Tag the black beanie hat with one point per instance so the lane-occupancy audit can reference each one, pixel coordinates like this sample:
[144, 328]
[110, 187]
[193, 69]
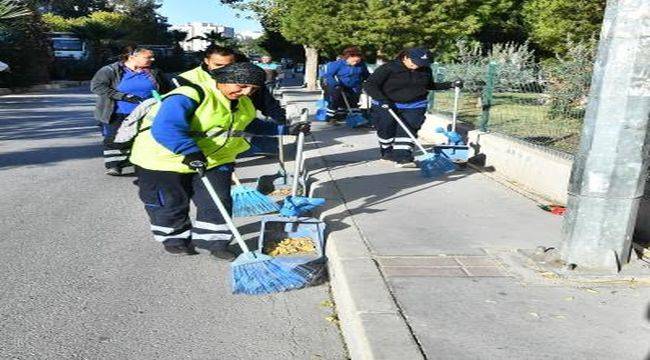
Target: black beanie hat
[239, 73]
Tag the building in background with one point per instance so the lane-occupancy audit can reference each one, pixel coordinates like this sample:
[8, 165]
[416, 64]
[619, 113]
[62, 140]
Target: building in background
[197, 31]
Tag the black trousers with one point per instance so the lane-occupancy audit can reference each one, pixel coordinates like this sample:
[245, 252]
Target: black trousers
[336, 105]
[392, 138]
[114, 158]
[166, 197]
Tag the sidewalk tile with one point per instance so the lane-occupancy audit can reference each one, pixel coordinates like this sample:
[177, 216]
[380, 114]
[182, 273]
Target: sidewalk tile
[396, 271]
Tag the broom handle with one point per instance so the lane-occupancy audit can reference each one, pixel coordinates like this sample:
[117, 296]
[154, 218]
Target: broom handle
[408, 132]
[235, 179]
[454, 115]
[223, 211]
[304, 116]
[296, 167]
[345, 98]
[281, 152]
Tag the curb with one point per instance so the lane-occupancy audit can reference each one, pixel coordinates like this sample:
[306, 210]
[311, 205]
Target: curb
[372, 324]
[55, 85]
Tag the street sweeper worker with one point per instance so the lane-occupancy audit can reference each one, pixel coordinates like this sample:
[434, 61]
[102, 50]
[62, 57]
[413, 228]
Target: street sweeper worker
[402, 84]
[215, 57]
[196, 127]
[120, 87]
[344, 77]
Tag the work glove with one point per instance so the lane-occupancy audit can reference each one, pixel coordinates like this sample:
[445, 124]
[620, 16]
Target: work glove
[133, 99]
[195, 161]
[458, 83]
[299, 127]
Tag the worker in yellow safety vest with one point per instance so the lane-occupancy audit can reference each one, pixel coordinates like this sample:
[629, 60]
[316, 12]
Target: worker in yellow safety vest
[198, 126]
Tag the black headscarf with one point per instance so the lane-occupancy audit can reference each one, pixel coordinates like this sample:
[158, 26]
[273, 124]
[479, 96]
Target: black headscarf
[239, 73]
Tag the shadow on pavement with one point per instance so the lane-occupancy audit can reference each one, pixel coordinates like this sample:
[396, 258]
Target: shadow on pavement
[49, 155]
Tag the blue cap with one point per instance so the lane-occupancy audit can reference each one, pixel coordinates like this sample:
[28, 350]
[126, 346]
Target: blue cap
[420, 56]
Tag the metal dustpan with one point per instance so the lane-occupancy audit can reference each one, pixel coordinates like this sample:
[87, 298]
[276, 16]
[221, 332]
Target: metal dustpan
[455, 150]
[275, 229]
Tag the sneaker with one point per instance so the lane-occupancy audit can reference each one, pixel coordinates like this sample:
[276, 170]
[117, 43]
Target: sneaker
[405, 163]
[180, 250]
[114, 171]
[223, 254]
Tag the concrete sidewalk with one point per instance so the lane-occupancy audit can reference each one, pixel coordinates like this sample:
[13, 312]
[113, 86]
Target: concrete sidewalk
[422, 268]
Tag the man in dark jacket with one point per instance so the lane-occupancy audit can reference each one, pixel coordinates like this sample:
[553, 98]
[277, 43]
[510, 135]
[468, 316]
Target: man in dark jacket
[120, 87]
[215, 57]
[402, 85]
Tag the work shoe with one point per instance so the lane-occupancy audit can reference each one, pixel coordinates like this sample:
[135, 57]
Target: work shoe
[114, 171]
[387, 157]
[223, 254]
[405, 163]
[180, 250]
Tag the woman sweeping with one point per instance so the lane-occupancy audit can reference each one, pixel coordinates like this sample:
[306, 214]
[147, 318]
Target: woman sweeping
[344, 78]
[200, 126]
[402, 84]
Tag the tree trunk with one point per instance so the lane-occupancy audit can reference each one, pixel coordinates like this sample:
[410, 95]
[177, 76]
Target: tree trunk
[311, 67]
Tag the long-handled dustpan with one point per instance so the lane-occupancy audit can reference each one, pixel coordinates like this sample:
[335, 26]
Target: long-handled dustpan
[455, 149]
[432, 165]
[296, 240]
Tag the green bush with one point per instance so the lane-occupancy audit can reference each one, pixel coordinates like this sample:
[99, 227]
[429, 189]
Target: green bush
[515, 66]
[569, 78]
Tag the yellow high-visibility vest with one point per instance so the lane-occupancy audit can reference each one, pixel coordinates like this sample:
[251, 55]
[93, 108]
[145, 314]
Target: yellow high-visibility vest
[213, 118]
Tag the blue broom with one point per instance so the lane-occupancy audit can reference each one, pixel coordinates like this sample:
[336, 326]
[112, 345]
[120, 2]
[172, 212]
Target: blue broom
[254, 273]
[431, 165]
[247, 201]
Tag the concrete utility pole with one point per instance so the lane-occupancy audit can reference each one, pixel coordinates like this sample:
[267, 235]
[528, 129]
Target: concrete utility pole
[609, 172]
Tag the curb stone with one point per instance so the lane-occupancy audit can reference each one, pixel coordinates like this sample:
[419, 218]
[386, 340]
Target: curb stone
[372, 324]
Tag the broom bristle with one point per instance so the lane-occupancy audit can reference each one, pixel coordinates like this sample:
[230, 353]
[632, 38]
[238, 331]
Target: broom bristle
[249, 202]
[255, 274]
[436, 165]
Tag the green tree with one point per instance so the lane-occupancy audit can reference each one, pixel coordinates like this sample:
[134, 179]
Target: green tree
[73, 8]
[550, 22]
[23, 44]
[10, 10]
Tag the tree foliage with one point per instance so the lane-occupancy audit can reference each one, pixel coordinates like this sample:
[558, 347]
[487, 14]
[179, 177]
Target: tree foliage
[549, 22]
[390, 25]
[23, 44]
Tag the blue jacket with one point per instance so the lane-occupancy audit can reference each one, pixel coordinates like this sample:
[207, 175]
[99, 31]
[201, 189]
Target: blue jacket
[340, 73]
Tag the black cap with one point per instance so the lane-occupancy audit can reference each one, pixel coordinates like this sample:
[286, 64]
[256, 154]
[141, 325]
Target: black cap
[239, 73]
[420, 56]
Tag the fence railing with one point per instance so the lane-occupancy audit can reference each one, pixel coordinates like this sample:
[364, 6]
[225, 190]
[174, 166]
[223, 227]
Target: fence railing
[521, 109]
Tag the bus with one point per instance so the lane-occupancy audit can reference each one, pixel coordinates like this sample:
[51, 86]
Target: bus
[67, 45]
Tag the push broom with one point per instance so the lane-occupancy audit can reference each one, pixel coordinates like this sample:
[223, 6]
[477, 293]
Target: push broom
[432, 165]
[255, 273]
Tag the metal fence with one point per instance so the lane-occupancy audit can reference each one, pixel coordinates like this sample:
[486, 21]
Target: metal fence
[494, 102]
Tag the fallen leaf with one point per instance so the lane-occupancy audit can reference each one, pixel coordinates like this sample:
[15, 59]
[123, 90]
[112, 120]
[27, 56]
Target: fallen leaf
[327, 303]
[569, 298]
[591, 290]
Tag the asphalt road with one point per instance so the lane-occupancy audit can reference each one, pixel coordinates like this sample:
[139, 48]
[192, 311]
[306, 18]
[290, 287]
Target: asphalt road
[82, 278]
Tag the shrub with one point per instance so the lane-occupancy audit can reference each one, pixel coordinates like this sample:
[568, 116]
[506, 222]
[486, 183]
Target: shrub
[569, 78]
